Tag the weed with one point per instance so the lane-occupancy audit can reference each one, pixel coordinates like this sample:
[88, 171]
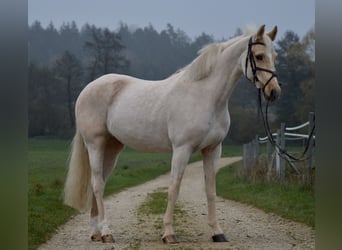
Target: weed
[56, 183]
[38, 189]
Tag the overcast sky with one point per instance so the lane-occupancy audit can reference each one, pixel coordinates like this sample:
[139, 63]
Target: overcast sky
[219, 18]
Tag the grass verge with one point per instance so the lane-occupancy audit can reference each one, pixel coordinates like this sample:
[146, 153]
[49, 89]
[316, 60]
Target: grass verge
[289, 201]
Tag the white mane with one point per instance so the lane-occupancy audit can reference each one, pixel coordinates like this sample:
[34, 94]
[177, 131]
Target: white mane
[203, 65]
[249, 29]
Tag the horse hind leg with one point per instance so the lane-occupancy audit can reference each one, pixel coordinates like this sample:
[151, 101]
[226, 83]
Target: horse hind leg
[103, 156]
[112, 151]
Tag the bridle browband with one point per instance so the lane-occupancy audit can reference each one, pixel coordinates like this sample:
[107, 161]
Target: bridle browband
[255, 68]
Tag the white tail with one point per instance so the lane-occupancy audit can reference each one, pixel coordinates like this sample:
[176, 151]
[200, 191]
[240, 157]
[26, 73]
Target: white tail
[77, 189]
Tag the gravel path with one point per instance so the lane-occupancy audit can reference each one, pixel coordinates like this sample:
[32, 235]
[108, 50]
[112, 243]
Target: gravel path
[245, 226]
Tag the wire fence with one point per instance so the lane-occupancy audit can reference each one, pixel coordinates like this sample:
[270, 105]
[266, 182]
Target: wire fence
[275, 161]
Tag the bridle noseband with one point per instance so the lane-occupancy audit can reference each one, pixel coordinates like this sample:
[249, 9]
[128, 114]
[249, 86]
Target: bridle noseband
[255, 68]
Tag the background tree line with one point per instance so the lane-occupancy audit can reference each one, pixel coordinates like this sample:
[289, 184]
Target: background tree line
[62, 61]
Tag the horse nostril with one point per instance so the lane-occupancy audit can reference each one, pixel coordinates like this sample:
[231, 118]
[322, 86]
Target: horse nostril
[273, 95]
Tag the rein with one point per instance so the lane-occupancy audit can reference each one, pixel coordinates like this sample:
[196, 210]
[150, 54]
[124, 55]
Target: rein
[281, 151]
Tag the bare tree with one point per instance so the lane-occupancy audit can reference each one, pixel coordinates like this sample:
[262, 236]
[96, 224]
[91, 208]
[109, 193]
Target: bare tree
[106, 50]
[68, 68]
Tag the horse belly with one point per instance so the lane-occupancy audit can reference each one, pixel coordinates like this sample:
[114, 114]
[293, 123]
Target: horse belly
[145, 142]
[139, 123]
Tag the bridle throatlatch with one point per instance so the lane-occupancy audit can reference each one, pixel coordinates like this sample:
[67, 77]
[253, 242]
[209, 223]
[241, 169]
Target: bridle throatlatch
[255, 68]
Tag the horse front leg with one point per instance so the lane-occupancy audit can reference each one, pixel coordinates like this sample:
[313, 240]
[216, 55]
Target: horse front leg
[211, 155]
[180, 158]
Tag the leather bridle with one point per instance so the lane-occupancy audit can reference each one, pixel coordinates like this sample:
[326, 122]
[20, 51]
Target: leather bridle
[254, 67]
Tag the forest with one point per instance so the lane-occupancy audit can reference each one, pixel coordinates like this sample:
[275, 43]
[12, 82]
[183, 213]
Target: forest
[63, 60]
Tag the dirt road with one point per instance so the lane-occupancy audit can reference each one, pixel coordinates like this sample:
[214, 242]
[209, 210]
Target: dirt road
[246, 227]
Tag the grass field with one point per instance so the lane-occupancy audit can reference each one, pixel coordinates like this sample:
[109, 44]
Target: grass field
[294, 202]
[47, 170]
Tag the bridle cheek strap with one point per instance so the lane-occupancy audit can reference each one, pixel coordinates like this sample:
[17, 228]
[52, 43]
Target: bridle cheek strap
[253, 66]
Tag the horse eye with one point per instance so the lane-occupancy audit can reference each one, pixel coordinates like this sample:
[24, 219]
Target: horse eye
[259, 57]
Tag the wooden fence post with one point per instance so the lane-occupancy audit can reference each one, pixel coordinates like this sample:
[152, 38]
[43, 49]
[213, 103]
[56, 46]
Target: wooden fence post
[310, 149]
[282, 146]
[244, 151]
[247, 155]
[256, 151]
[277, 160]
[269, 150]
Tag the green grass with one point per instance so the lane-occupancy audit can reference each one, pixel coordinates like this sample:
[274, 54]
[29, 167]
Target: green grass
[155, 203]
[152, 209]
[47, 159]
[289, 201]
[47, 170]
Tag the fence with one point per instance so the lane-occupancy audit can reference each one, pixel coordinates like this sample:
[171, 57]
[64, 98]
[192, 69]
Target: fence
[251, 150]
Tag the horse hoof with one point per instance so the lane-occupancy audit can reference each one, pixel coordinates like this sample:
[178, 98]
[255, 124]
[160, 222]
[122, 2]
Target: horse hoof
[108, 238]
[219, 238]
[96, 237]
[170, 239]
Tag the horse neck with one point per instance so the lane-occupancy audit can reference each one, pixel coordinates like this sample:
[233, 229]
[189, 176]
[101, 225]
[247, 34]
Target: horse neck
[228, 71]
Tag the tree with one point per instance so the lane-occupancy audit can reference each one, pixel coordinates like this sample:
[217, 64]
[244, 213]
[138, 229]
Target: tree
[294, 66]
[68, 68]
[307, 86]
[105, 47]
[71, 39]
[45, 114]
[201, 41]
[177, 38]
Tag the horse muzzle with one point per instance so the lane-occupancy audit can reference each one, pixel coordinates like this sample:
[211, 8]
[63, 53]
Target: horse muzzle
[272, 92]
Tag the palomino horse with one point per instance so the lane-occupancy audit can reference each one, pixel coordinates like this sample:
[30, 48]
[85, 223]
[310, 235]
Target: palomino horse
[184, 113]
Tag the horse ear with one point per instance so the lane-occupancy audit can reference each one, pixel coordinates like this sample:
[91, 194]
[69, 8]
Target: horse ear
[260, 33]
[272, 34]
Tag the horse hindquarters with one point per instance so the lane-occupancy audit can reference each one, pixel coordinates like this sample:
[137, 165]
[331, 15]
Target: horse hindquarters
[77, 189]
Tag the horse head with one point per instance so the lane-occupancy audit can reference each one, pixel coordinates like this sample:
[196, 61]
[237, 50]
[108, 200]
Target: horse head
[259, 63]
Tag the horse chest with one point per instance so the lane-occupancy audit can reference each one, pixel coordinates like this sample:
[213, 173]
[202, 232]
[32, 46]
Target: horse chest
[217, 130]
[200, 130]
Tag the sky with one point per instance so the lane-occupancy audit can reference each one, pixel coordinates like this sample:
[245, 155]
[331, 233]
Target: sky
[219, 18]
